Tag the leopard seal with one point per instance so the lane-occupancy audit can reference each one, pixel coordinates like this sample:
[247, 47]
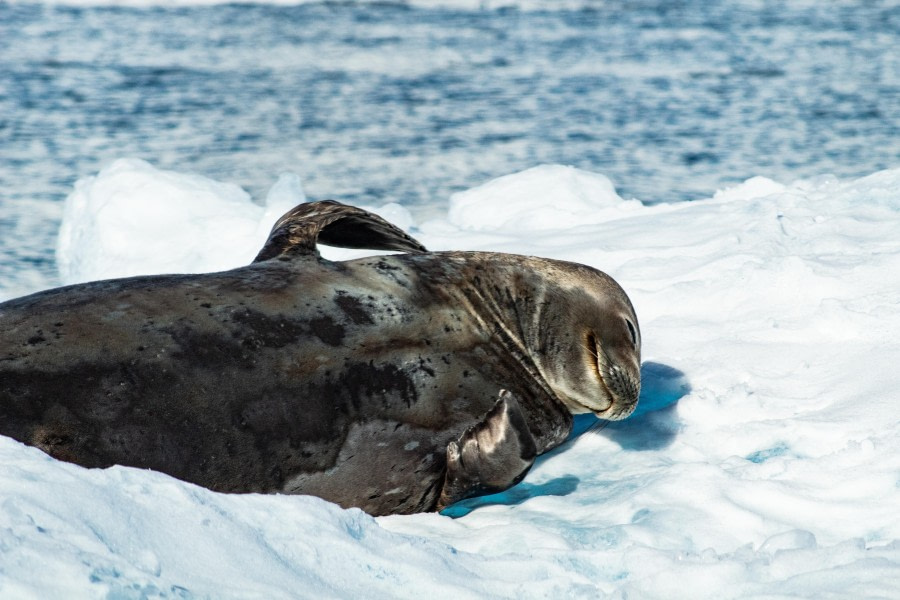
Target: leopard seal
[396, 383]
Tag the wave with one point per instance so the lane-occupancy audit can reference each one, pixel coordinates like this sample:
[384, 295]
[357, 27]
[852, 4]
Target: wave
[462, 5]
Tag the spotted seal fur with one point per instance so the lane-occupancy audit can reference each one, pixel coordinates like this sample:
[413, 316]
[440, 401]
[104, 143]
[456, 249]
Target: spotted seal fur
[396, 383]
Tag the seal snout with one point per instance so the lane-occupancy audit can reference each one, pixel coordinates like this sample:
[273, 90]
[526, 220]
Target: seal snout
[620, 388]
[624, 389]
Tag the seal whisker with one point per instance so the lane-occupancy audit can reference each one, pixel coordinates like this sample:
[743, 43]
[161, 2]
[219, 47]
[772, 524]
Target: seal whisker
[599, 426]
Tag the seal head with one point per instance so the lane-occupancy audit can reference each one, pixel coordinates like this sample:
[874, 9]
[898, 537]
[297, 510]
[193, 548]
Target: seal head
[590, 352]
[575, 325]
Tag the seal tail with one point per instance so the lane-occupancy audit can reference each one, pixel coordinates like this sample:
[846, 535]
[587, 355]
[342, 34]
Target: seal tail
[331, 223]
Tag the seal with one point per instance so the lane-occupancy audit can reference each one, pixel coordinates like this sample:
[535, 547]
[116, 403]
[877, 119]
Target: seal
[396, 383]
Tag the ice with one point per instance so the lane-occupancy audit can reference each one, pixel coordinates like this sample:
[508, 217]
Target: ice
[763, 459]
[547, 197]
[135, 219]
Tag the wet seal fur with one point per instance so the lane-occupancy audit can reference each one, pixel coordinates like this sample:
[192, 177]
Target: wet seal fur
[397, 384]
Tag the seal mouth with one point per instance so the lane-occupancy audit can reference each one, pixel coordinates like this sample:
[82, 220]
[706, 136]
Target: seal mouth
[598, 362]
[617, 388]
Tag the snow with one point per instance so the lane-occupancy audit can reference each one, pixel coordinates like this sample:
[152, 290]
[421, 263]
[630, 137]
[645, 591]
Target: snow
[763, 459]
[561, 196]
[123, 218]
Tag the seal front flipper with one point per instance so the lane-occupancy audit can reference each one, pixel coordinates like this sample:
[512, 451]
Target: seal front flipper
[490, 456]
[334, 224]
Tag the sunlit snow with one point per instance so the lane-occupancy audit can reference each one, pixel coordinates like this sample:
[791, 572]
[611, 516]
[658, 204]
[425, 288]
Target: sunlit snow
[763, 460]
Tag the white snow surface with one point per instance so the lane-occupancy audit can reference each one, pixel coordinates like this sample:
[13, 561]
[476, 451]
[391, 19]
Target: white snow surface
[763, 460]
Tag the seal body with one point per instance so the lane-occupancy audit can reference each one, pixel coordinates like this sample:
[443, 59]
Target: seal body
[373, 383]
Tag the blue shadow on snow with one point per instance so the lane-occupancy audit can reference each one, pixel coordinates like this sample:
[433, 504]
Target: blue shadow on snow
[652, 426]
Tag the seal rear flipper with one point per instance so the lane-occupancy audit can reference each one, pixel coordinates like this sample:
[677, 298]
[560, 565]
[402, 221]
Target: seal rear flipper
[490, 456]
[334, 224]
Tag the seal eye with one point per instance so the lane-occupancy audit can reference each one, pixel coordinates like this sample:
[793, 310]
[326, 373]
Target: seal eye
[632, 332]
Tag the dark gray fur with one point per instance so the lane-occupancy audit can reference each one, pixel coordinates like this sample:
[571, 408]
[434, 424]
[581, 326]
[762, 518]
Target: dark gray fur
[346, 380]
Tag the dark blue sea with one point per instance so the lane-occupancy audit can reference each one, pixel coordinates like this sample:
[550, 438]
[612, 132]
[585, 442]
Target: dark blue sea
[379, 102]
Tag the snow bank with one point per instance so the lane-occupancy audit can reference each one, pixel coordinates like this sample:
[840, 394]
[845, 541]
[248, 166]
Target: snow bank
[132, 218]
[544, 197]
[764, 458]
[126, 533]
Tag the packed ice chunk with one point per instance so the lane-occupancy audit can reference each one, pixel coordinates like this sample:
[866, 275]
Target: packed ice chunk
[546, 197]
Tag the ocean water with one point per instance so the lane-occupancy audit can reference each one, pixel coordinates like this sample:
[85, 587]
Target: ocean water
[385, 102]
